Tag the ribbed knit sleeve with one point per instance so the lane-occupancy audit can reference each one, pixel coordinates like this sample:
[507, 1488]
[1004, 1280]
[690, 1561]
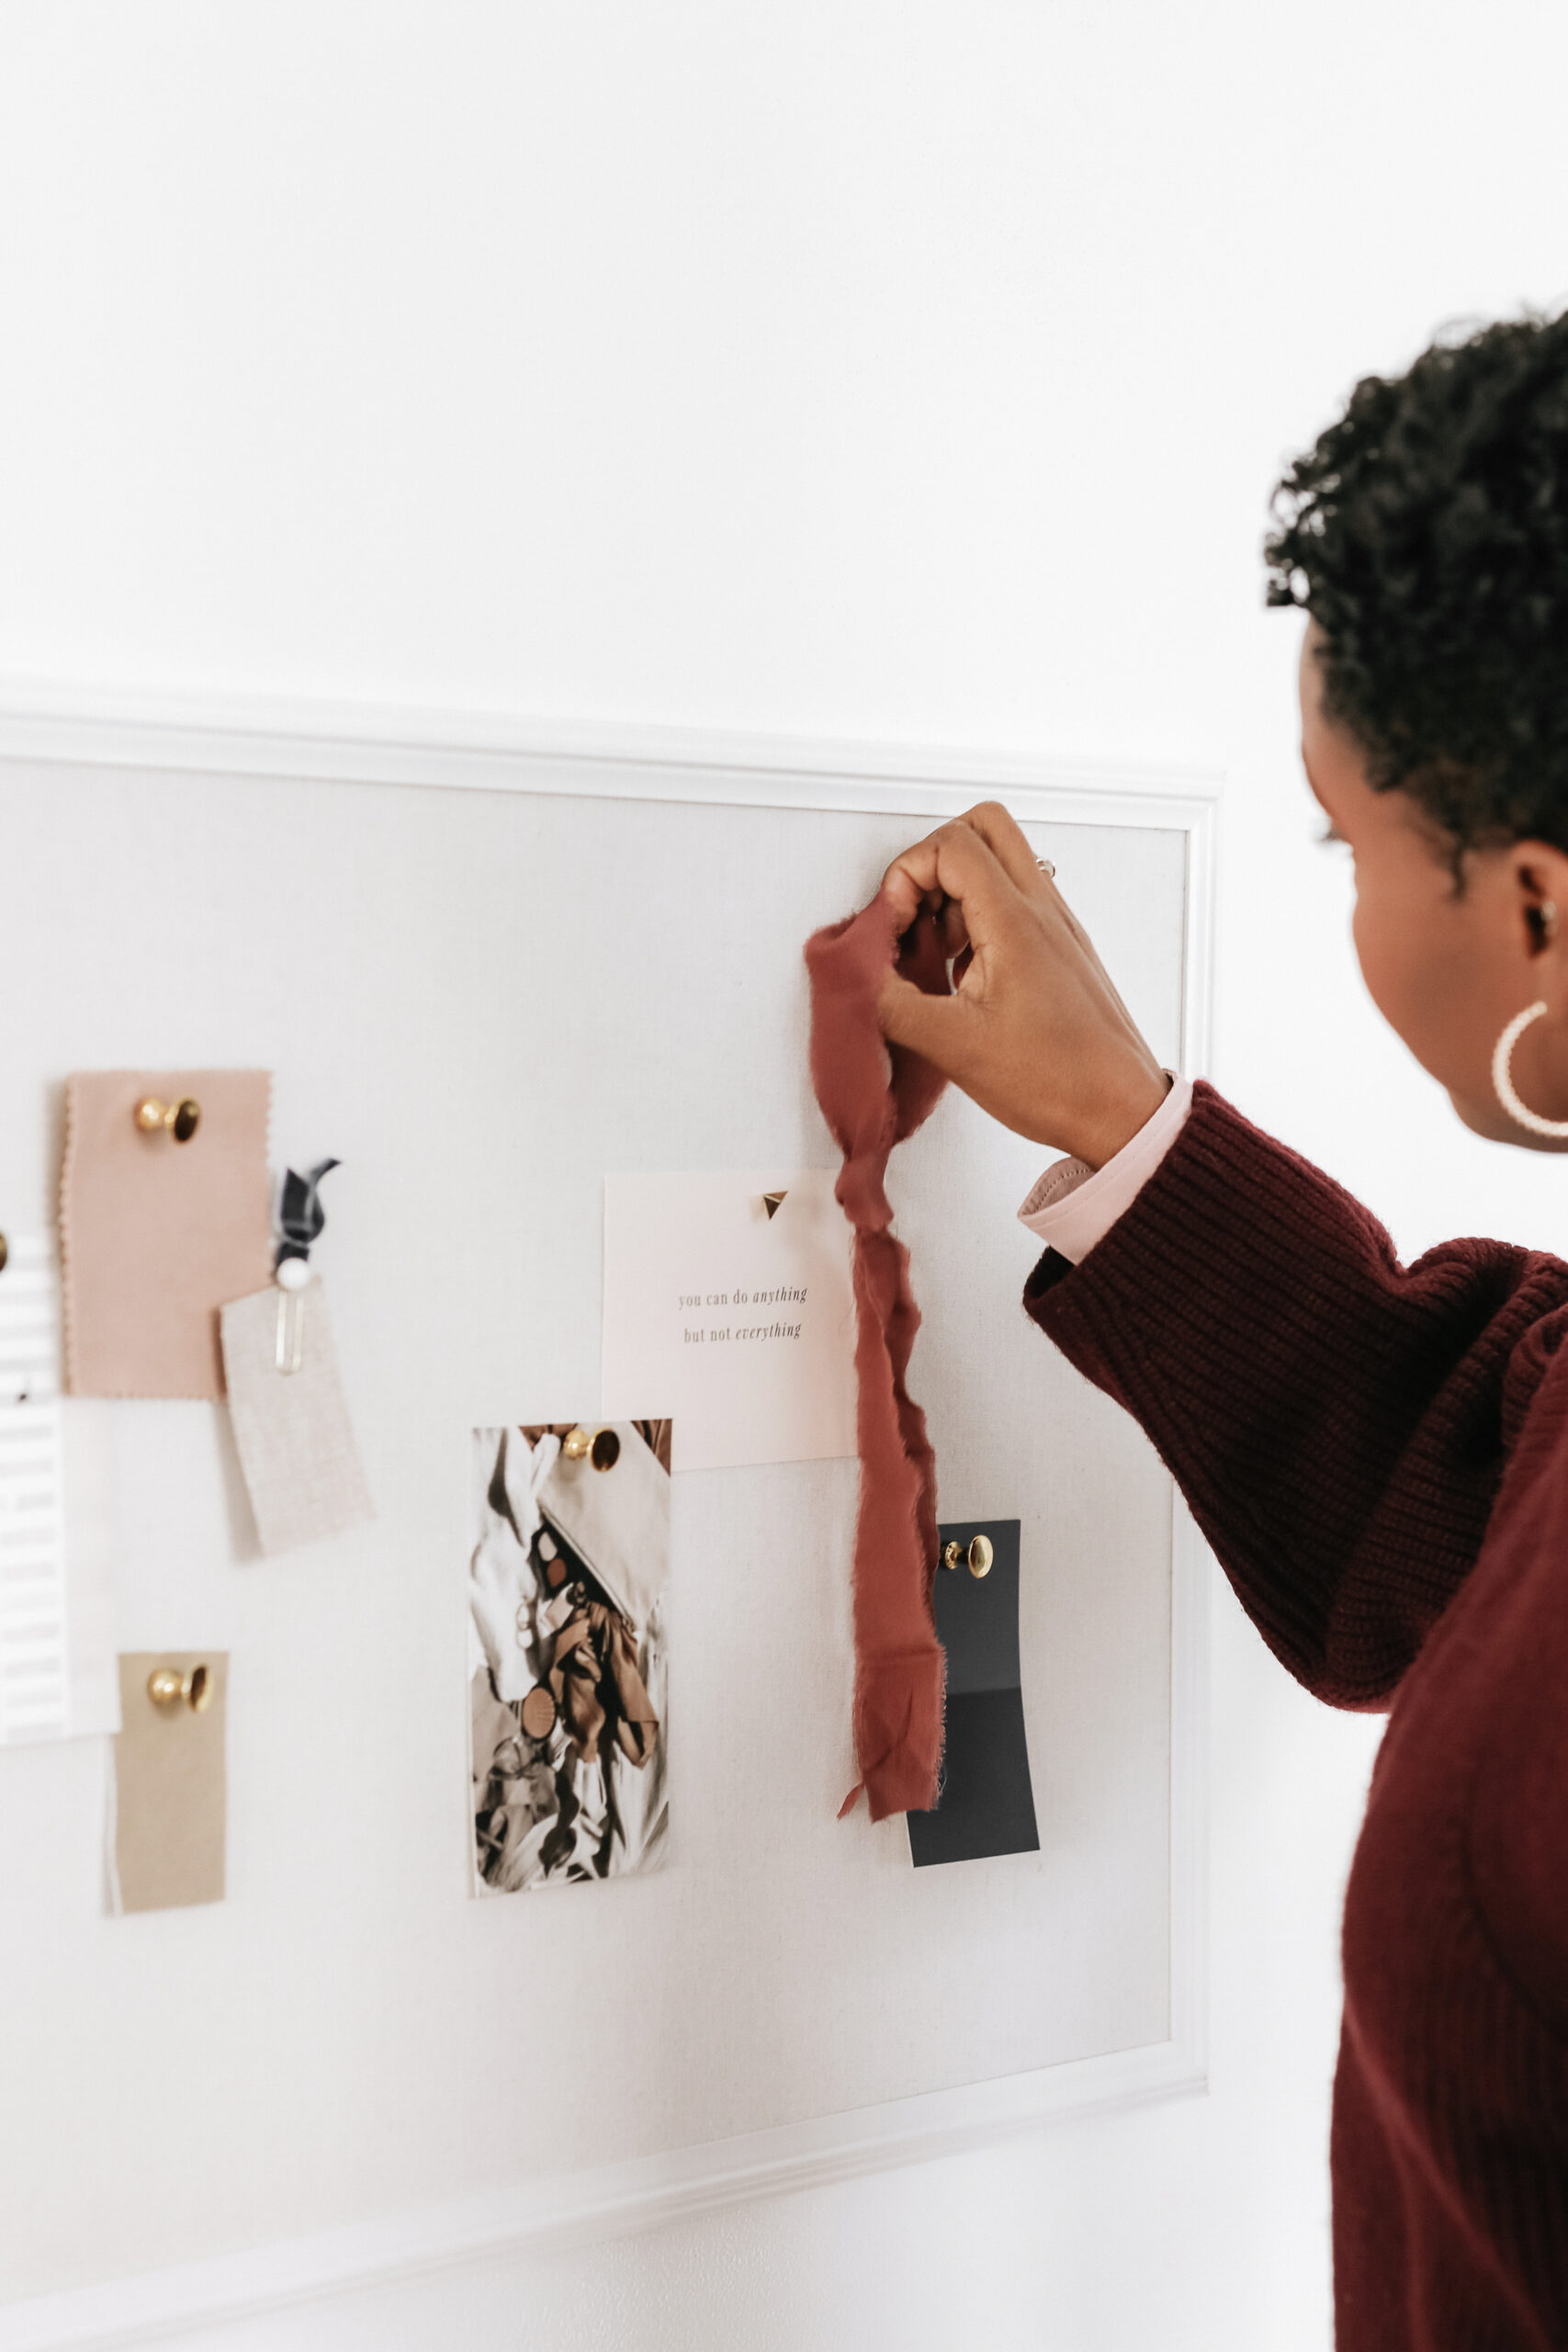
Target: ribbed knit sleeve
[1338, 1422]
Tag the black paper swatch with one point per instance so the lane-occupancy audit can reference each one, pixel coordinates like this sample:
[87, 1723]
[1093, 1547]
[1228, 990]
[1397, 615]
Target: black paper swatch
[986, 1803]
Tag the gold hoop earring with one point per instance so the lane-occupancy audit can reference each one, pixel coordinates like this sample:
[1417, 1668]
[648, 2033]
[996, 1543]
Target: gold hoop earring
[1502, 1078]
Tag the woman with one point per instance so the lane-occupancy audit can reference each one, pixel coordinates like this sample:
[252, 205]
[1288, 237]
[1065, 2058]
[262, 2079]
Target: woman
[1378, 1455]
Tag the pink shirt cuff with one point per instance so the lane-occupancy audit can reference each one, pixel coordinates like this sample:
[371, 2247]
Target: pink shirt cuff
[1073, 1206]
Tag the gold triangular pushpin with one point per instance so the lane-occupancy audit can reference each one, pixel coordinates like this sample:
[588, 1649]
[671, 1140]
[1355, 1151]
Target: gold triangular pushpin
[772, 1203]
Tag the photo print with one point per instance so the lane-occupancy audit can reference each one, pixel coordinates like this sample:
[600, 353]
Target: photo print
[568, 1669]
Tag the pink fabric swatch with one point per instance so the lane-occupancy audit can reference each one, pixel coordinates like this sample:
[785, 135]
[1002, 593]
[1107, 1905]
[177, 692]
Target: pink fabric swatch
[872, 1096]
[157, 1235]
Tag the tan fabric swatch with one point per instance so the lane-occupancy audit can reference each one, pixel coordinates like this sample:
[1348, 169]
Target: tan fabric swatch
[293, 1433]
[155, 1235]
[170, 1794]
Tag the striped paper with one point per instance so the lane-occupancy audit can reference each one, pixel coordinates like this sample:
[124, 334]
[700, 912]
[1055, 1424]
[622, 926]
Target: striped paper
[35, 1687]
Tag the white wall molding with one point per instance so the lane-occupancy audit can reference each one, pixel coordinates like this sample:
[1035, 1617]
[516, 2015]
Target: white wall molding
[481, 751]
[226, 740]
[534, 2217]
[499, 751]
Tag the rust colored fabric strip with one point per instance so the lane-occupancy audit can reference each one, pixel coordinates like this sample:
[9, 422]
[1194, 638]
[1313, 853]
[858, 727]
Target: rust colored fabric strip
[872, 1096]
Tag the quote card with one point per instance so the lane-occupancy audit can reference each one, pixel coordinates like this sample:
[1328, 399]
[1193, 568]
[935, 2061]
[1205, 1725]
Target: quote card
[737, 1322]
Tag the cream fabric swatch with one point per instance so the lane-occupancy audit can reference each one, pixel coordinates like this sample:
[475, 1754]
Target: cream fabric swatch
[155, 1235]
[170, 1796]
[293, 1433]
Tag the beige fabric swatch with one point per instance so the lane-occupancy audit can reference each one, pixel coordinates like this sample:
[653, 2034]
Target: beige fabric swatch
[170, 1798]
[155, 1235]
[292, 1431]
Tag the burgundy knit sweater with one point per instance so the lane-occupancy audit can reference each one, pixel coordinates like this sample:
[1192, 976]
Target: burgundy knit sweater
[1378, 1457]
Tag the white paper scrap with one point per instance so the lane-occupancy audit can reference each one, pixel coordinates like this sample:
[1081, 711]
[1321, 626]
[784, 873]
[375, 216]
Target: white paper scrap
[738, 1323]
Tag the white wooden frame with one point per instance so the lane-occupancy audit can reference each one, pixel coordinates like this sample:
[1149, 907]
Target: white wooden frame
[388, 747]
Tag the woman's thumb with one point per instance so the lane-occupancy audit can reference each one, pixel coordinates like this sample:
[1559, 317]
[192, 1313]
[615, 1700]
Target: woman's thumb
[931, 1026]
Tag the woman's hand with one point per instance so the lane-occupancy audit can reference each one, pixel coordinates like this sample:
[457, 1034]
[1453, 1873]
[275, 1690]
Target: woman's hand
[1035, 1032]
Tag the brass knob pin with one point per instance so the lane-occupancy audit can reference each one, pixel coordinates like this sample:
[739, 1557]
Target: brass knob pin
[167, 1688]
[179, 1119]
[976, 1555]
[600, 1446]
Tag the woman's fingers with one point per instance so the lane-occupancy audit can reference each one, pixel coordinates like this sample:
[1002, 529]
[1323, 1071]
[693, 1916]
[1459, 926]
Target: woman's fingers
[910, 880]
[955, 930]
[970, 859]
[954, 864]
[1035, 1031]
[1003, 836]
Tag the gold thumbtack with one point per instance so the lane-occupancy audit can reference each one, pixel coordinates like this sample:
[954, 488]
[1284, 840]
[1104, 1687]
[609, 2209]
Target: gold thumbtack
[772, 1203]
[977, 1555]
[4, 1252]
[167, 1687]
[179, 1119]
[600, 1446]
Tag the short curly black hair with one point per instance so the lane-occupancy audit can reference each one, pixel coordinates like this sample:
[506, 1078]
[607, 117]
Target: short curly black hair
[1426, 534]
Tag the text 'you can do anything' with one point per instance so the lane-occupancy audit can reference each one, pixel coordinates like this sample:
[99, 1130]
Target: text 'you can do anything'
[715, 1334]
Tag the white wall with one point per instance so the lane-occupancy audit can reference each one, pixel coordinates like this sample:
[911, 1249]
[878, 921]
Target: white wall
[895, 370]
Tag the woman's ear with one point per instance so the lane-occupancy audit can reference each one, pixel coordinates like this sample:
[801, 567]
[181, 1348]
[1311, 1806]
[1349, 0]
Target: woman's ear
[1540, 891]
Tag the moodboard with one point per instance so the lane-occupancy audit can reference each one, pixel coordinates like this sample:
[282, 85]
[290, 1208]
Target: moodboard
[525, 1786]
